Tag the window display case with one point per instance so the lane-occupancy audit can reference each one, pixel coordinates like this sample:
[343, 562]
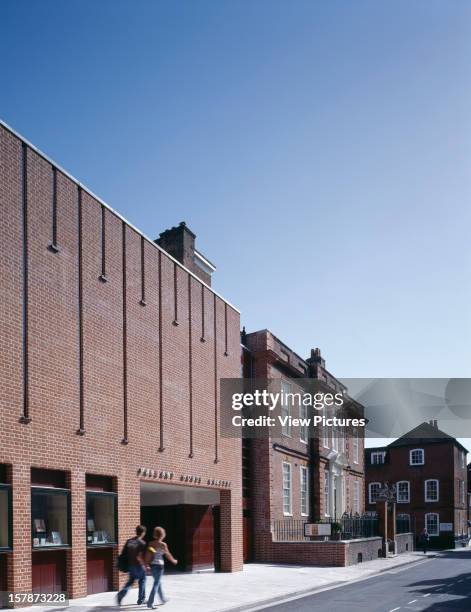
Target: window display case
[5, 517]
[101, 518]
[50, 514]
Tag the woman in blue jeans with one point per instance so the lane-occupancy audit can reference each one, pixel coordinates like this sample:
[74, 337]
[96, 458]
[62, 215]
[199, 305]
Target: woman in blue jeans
[157, 550]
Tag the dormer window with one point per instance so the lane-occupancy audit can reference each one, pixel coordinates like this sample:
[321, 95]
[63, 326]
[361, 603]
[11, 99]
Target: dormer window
[416, 456]
[377, 457]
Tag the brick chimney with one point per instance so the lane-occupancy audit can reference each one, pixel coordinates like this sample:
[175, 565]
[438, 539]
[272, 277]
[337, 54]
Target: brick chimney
[179, 242]
[316, 363]
[316, 357]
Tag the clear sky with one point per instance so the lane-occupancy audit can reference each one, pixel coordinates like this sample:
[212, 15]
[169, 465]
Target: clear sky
[320, 150]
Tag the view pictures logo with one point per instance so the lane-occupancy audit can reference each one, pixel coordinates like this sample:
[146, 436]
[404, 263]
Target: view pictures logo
[273, 400]
[258, 407]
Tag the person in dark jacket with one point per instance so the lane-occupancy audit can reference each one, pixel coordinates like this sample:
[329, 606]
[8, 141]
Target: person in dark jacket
[136, 548]
[424, 540]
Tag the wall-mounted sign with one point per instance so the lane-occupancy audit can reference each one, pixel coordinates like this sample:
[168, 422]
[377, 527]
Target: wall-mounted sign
[187, 478]
[317, 529]
[446, 526]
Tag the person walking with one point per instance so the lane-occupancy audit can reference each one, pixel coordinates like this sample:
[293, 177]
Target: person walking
[157, 549]
[424, 540]
[133, 553]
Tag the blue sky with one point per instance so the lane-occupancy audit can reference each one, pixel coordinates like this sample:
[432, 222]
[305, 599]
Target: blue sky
[320, 150]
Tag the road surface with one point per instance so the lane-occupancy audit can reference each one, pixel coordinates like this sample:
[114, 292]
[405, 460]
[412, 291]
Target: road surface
[439, 584]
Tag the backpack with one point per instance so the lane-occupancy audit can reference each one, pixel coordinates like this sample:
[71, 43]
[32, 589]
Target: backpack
[123, 559]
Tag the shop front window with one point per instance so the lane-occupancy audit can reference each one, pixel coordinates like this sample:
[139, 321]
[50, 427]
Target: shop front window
[101, 519]
[5, 517]
[50, 517]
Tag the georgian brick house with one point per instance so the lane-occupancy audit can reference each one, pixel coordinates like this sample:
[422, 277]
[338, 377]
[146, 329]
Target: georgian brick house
[295, 478]
[112, 347]
[428, 468]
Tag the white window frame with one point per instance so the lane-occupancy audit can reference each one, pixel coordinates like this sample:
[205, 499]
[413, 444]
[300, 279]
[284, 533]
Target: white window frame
[369, 491]
[325, 433]
[335, 440]
[403, 501]
[290, 489]
[426, 496]
[380, 454]
[415, 450]
[462, 492]
[303, 429]
[356, 446]
[327, 492]
[463, 459]
[356, 496]
[304, 491]
[286, 409]
[437, 533]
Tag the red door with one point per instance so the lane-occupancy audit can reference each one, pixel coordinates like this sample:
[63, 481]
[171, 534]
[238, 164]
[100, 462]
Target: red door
[200, 536]
[3, 574]
[190, 533]
[48, 575]
[99, 570]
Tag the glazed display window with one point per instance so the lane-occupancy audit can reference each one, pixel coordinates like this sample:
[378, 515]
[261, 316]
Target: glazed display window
[5, 517]
[50, 514]
[101, 518]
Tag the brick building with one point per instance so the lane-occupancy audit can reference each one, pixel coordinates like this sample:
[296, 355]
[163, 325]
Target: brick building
[111, 353]
[428, 468]
[296, 478]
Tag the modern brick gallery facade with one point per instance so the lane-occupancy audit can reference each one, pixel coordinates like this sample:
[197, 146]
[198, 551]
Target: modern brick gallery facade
[111, 354]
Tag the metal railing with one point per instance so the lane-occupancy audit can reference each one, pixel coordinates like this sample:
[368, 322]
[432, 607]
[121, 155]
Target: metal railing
[345, 528]
[403, 525]
[355, 527]
[288, 530]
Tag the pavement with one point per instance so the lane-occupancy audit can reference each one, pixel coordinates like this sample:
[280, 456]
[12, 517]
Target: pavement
[258, 586]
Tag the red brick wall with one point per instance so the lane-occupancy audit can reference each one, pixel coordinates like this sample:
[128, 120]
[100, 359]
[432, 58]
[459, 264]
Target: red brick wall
[310, 553]
[324, 554]
[113, 319]
[270, 358]
[442, 462]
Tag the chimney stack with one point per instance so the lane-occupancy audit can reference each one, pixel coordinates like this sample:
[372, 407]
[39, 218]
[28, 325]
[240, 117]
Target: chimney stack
[316, 362]
[179, 242]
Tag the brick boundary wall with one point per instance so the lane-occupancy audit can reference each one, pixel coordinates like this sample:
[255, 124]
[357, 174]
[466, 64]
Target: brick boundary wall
[330, 553]
[323, 554]
[368, 548]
